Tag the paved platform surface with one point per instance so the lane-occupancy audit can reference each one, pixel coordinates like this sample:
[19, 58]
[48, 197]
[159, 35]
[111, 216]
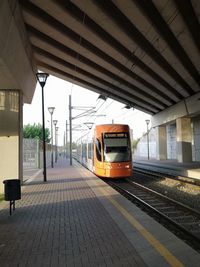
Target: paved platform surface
[62, 223]
[190, 169]
[75, 219]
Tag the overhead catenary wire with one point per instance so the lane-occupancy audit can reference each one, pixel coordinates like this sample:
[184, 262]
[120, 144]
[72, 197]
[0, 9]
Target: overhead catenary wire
[70, 104]
[104, 106]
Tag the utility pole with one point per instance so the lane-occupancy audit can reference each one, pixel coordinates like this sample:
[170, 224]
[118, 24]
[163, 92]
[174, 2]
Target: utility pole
[66, 140]
[70, 129]
[86, 111]
[64, 145]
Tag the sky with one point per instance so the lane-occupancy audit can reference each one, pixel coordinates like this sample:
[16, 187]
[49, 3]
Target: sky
[56, 94]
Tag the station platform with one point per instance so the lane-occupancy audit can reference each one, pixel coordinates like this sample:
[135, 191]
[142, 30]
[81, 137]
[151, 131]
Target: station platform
[190, 169]
[76, 219]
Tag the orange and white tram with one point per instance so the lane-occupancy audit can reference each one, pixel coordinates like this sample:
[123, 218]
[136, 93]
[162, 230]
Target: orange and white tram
[106, 151]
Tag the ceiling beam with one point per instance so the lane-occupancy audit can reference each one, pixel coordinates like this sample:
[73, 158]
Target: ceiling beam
[76, 57]
[188, 14]
[150, 11]
[32, 9]
[77, 70]
[92, 87]
[126, 25]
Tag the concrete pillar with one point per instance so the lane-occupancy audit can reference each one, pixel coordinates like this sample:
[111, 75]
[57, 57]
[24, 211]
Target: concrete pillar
[161, 143]
[20, 130]
[184, 140]
[11, 152]
[17, 86]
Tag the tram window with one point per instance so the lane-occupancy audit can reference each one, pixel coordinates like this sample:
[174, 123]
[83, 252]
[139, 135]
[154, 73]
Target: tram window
[98, 150]
[116, 147]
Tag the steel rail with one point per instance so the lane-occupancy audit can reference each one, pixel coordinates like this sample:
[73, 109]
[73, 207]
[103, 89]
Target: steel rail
[164, 208]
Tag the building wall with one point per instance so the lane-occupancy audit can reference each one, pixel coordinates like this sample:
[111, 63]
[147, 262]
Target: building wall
[9, 135]
[8, 155]
[196, 139]
[171, 141]
[141, 150]
[152, 143]
[17, 85]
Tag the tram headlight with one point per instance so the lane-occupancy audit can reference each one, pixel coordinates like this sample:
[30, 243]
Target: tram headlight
[127, 166]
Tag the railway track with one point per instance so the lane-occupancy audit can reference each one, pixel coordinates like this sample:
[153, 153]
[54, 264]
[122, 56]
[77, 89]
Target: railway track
[179, 218]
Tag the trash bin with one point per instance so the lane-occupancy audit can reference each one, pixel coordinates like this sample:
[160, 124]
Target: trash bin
[12, 189]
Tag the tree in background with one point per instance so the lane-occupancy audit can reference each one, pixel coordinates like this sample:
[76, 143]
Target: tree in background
[35, 131]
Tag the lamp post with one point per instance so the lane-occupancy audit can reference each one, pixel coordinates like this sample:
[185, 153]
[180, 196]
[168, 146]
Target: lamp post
[56, 143]
[55, 123]
[51, 110]
[147, 122]
[42, 77]
[66, 140]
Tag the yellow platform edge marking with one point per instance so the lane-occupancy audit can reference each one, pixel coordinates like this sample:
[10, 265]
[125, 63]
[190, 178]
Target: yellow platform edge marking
[162, 250]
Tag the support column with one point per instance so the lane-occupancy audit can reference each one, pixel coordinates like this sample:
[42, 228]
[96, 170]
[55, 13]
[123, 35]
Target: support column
[20, 130]
[11, 153]
[184, 140]
[161, 153]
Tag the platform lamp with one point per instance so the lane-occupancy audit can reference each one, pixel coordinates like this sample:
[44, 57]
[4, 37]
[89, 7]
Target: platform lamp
[51, 110]
[55, 123]
[56, 143]
[41, 78]
[147, 122]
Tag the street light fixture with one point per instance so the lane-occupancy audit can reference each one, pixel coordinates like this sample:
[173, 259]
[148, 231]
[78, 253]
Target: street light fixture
[89, 125]
[147, 122]
[51, 110]
[41, 78]
[129, 106]
[55, 123]
[103, 97]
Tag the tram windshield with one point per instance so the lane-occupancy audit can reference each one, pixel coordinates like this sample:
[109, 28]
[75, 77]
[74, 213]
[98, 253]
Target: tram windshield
[116, 147]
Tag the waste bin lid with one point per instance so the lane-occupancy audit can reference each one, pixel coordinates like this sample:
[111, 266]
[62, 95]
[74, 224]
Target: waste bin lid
[10, 180]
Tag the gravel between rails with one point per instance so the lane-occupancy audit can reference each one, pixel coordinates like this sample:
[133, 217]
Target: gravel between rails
[179, 191]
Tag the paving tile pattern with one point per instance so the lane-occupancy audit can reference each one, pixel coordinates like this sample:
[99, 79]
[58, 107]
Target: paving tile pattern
[62, 223]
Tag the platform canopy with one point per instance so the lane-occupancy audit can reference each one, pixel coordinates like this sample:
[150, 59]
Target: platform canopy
[143, 53]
